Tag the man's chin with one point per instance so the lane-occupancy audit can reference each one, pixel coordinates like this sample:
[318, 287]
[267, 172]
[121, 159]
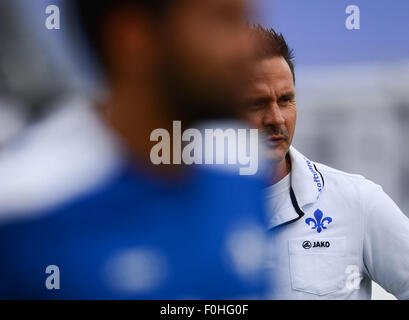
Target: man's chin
[276, 155]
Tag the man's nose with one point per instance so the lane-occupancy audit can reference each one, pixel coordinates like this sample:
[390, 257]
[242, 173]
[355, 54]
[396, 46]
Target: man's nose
[273, 116]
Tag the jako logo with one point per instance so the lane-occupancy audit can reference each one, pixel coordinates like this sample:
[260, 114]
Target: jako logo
[212, 147]
[306, 245]
[321, 244]
[316, 244]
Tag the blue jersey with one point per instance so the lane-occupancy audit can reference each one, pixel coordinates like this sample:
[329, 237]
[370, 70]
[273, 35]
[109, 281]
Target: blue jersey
[134, 237]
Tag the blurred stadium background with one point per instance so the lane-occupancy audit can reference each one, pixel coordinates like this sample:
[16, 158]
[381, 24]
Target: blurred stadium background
[352, 86]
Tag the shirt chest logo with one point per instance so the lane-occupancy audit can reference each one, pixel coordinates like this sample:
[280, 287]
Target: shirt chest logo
[319, 222]
[315, 244]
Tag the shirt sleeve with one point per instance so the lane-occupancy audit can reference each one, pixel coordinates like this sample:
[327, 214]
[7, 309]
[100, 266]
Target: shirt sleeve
[386, 242]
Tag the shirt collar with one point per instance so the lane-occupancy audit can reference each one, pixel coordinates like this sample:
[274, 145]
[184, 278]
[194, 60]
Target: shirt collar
[306, 181]
[307, 184]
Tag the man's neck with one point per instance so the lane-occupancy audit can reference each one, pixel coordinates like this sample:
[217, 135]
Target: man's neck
[282, 169]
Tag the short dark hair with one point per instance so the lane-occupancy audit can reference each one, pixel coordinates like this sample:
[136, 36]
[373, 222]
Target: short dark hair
[273, 44]
[90, 16]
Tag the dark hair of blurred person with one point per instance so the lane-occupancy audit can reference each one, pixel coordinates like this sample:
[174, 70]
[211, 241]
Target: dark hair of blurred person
[168, 60]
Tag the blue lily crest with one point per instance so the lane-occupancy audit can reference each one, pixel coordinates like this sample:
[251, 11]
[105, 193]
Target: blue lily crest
[318, 222]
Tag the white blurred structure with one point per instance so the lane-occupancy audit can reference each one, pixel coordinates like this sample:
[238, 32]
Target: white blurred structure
[12, 120]
[355, 118]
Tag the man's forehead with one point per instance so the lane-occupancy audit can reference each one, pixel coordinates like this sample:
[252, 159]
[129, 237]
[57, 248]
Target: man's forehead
[274, 67]
[272, 73]
[259, 86]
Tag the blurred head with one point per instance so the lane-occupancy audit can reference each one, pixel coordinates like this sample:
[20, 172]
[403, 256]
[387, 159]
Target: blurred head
[270, 98]
[194, 53]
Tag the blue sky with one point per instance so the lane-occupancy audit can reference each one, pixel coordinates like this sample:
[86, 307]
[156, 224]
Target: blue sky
[316, 29]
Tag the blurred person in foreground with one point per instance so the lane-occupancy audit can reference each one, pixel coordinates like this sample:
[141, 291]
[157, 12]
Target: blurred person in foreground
[331, 232]
[86, 215]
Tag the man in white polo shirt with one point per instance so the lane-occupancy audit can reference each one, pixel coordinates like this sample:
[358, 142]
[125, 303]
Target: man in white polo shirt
[331, 232]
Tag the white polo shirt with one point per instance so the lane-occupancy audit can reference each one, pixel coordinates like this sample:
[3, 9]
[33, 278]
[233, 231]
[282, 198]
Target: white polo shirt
[332, 233]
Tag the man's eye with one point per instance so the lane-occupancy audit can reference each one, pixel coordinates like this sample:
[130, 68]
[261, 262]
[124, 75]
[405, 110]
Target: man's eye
[286, 101]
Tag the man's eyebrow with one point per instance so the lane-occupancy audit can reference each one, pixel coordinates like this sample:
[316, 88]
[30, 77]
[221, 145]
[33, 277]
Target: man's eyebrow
[287, 95]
